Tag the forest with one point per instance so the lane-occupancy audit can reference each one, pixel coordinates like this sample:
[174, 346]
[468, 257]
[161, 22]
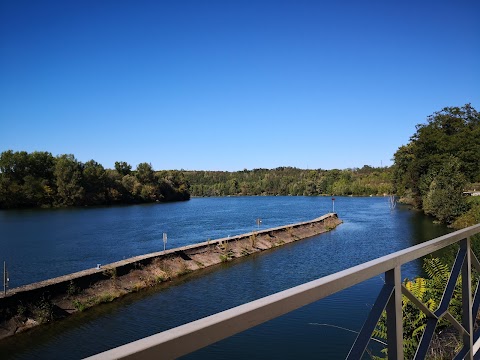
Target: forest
[291, 181]
[441, 160]
[39, 179]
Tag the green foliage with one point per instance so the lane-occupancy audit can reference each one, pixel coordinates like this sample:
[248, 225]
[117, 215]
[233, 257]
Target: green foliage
[145, 173]
[471, 216]
[123, 168]
[21, 310]
[72, 289]
[106, 298]
[414, 321]
[429, 291]
[94, 182]
[110, 273]
[444, 198]
[79, 305]
[291, 181]
[68, 178]
[227, 256]
[42, 311]
[102, 298]
[40, 180]
[431, 171]
[26, 179]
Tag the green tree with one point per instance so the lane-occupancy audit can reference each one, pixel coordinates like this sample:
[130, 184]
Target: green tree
[26, 179]
[94, 183]
[123, 168]
[145, 173]
[68, 178]
[132, 186]
[444, 198]
[115, 192]
[453, 131]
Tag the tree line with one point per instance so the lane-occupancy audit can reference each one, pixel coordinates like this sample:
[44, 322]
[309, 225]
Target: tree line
[291, 181]
[431, 172]
[39, 179]
[442, 159]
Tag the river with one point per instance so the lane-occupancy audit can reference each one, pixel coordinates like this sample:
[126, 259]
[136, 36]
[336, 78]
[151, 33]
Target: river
[39, 244]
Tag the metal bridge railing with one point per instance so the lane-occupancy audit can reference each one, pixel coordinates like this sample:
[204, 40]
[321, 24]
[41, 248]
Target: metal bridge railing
[187, 338]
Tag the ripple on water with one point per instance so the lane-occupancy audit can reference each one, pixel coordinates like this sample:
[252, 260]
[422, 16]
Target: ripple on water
[67, 241]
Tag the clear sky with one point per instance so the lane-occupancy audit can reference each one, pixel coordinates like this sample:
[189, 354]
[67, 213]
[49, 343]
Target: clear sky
[228, 85]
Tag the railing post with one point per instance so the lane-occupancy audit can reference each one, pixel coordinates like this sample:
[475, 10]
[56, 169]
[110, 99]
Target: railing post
[467, 318]
[394, 315]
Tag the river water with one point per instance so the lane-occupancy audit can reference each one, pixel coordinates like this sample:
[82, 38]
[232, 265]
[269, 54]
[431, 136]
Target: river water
[40, 244]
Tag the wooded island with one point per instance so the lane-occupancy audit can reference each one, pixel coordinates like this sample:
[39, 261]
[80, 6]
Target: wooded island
[39, 179]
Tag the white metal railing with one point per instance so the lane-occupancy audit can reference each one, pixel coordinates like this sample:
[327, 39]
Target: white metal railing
[187, 338]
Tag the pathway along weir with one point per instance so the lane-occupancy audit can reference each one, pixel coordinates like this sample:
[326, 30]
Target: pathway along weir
[42, 302]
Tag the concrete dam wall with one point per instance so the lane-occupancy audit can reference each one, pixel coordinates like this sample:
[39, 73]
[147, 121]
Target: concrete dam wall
[30, 305]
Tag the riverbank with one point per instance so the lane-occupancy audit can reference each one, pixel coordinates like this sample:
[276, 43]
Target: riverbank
[52, 299]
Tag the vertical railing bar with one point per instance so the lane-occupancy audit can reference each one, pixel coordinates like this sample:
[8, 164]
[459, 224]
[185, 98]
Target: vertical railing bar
[476, 295]
[475, 262]
[476, 304]
[394, 315]
[467, 320]
[363, 338]
[452, 281]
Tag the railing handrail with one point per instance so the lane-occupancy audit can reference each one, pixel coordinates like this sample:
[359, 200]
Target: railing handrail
[189, 337]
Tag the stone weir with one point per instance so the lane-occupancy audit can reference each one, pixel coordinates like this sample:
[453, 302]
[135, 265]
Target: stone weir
[30, 305]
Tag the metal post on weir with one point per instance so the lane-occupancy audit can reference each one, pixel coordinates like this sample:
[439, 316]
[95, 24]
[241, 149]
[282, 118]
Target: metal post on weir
[5, 278]
[259, 221]
[164, 242]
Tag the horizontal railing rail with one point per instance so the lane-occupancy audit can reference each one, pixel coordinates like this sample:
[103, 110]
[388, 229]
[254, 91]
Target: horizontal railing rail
[187, 338]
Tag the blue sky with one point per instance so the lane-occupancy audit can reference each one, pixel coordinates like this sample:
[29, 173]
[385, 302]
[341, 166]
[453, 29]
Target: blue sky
[228, 85]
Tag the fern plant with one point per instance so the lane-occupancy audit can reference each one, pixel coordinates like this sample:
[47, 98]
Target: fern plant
[414, 320]
[429, 291]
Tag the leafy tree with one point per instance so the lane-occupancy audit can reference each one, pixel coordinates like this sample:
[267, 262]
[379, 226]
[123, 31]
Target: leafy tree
[145, 173]
[94, 183]
[115, 192]
[132, 185]
[26, 179]
[68, 177]
[423, 167]
[444, 199]
[123, 168]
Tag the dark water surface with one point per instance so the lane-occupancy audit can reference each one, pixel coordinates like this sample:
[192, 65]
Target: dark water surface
[39, 244]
